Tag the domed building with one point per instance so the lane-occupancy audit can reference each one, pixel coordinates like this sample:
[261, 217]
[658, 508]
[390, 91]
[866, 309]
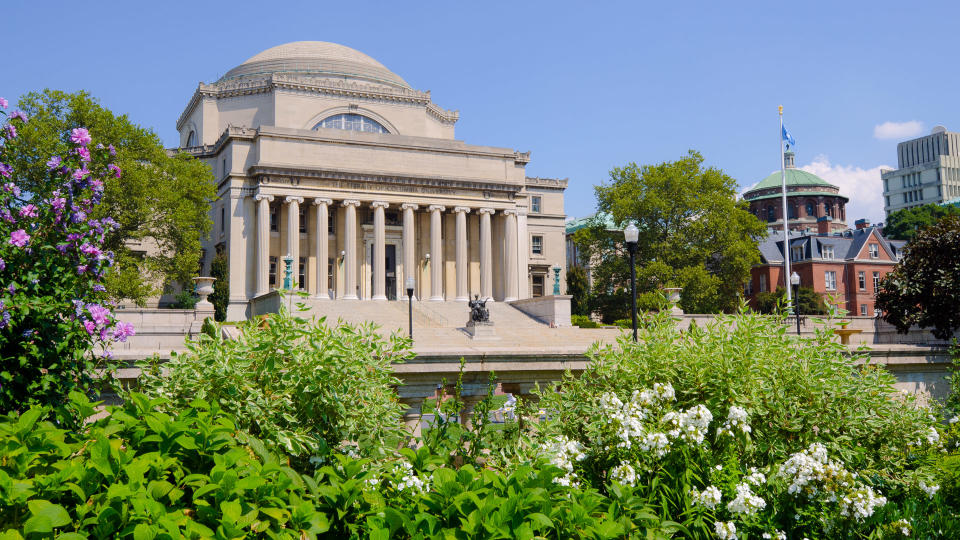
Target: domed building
[324, 155]
[809, 199]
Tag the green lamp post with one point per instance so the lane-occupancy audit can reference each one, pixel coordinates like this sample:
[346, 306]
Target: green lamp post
[556, 280]
[288, 272]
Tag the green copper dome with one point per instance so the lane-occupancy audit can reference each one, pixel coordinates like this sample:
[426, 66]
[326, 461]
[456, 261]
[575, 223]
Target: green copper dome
[795, 178]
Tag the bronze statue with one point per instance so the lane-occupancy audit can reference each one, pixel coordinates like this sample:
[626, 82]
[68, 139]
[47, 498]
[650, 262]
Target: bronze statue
[478, 310]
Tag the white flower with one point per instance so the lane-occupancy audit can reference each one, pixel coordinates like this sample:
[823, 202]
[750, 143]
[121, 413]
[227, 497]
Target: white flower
[664, 391]
[955, 419]
[624, 474]
[903, 525]
[726, 530]
[929, 490]
[708, 498]
[933, 436]
[755, 477]
[690, 425]
[719, 467]
[656, 443]
[737, 419]
[861, 503]
[746, 502]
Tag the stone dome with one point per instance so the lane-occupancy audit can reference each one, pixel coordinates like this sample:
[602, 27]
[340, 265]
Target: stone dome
[316, 59]
[796, 178]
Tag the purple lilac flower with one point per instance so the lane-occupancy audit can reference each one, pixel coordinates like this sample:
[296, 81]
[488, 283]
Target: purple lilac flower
[12, 188]
[100, 314]
[3, 265]
[99, 288]
[7, 216]
[80, 136]
[5, 170]
[90, 250]
[18, 114]
[62, 248]
[90, 326]
[11, 131]
[12, 288]
[3, 103]
[80, 173]
[19, 238]
[82, 152]
[77, 307]
[29, 210]
[108, 355]
[27, 333]
[58, 204]
[53, 163]
[113, 151]
[5, 319]
[114, 169]
[122, 330]
[81, 268]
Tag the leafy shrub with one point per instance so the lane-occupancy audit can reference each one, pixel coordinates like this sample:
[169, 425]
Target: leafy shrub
[809, 302]
[220, 269]
[583, 321]
[298, 384]
[185, 300]
[52, 265]
[679, 412]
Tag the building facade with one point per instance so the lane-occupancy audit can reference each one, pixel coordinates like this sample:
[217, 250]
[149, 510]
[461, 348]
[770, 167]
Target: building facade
[809, 198]
[928, 172]
[847, 266]
[324, 155]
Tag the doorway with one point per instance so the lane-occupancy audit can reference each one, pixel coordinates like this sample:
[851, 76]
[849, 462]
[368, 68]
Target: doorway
[390, 260]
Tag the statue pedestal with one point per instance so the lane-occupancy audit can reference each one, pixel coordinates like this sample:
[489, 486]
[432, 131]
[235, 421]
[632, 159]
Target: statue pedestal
[480, 330]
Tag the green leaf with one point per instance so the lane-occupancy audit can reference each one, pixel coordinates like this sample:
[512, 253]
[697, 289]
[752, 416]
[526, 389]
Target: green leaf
[541, 520]
[144, 532]
[56, 515]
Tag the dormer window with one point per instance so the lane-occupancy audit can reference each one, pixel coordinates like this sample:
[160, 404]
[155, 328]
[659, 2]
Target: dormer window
[827, 251]
[352, 122]
[192, 139]
[797, 253]
[874, 251]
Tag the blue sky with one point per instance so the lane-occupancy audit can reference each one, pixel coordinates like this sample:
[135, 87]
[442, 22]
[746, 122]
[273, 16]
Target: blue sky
[584, 86]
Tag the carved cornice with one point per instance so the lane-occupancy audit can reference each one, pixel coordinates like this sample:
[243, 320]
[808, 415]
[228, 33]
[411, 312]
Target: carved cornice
[521, 158]
[292, 175]
[319, 85]
[557, 183]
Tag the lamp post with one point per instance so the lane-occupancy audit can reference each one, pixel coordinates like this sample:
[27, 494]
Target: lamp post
[556, 279]
[410, 285]
[288, 272]
[795, 283]
[631, 234]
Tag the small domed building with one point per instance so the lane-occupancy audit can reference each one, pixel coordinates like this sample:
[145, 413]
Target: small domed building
[809, 198]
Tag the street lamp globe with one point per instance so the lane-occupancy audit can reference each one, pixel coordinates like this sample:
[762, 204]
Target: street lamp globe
[795, 279]
[411, 283]
[631, 234]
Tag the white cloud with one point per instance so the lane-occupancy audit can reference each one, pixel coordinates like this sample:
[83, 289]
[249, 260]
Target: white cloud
[898, 130]
[863, 187]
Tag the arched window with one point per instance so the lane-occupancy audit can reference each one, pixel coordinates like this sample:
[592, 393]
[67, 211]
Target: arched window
[771, 215]
[811, 210]
[352, 122]
[192, 139]
[792, 211]
[828, 209]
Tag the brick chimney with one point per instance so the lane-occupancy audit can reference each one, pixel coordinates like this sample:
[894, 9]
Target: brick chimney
[823, 225]
[862, 223]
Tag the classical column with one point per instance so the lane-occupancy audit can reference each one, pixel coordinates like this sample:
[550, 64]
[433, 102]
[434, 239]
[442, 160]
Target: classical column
[379, 251]
[321, 242]
[486, 255]
[436, 254]
[263, 242]
[350, 250]
[523, 254]
[461, 255]
[409, 247]
[510, 256]
[293, 235]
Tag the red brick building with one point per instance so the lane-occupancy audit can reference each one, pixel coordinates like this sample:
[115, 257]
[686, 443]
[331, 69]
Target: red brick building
[809, 198]
[847, 266]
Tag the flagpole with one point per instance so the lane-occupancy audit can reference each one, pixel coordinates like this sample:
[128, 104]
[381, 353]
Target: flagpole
[786, 229]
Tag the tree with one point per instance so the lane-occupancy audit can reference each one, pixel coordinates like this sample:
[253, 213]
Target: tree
[809, 302]
[579, 290]
[904, 224]
[924, 288]
[693, 234]
[220, 269]
[161, 202]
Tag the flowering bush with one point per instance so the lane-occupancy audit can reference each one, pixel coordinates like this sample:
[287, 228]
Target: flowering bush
[52, 265]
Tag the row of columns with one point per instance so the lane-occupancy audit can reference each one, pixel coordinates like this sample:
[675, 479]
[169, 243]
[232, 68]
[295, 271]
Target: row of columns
[321, 247]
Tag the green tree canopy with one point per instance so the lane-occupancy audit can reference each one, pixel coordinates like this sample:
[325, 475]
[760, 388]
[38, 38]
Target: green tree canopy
[904, 224]
[809, 302]
[579, 290]
[161, 201]
[924, 288]
[693, 234]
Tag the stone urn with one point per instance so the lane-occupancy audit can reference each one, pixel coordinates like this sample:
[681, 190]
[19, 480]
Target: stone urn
[203, 286]
[673, 296]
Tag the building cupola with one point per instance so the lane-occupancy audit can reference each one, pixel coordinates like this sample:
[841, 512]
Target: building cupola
[788, 161]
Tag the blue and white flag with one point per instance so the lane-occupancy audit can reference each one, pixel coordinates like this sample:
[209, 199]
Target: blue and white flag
[787, 136]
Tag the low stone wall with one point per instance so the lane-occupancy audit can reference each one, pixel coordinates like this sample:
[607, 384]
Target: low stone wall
[553, 310]
[158, 331]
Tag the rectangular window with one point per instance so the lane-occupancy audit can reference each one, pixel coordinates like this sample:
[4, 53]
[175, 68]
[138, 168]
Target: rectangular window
[303, 219]
[274, 219]
[863, 310]
[223, 219]
[827, 251]
[302, 277]
[876, 282]
[763, 283]
[748, 288]
[273, 271]
[796, 254]
[535, 204]
[536, 245]
[830, 279]
[537, 285]
[874, 251]
[331, 221]
[862, 280]
[224, 166]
